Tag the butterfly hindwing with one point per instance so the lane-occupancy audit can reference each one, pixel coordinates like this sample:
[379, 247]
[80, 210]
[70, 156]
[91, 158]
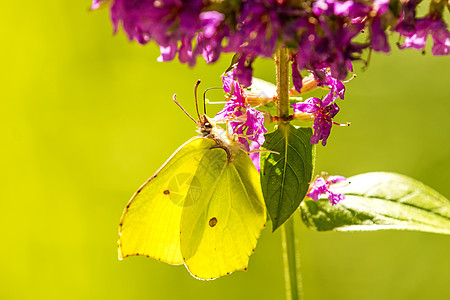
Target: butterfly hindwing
[219, 233]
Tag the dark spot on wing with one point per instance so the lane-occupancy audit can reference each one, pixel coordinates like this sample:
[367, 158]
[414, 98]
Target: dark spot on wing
[213, 222]
[138, 191]
[166, 192]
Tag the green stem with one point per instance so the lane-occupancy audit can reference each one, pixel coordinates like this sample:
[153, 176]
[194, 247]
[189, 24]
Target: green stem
[290, 257]
[282, 63]
[291, 262]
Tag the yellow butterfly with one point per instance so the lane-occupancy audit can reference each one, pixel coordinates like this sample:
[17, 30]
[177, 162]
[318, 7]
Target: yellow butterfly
[203, 208]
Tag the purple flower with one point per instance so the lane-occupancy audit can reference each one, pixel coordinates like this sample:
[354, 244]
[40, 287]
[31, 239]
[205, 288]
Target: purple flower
[209, 40]
[407, 21]
[324, 77]
[255, 156]
[210, 22]
[255, 127]
[323, 111]
[246, 122]
[441, 38]
[244, 69]
[378, 41]
[438, 30]
[254, 131]
[297, 78]
[232, 87]
[327, 45]
[322, 185]
[258, 33]
[348, 8]
[167, 52]
[380, 6]
[248, 125]
[96, 4]
[166, 22]
[235, 95]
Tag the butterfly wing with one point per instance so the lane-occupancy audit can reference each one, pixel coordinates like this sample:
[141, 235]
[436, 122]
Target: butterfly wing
[219, 231]
[150, 223]
[204, 207]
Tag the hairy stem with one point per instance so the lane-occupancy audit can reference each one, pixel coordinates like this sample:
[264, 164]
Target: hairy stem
[282, 63]
[290, 257]
[291, 262]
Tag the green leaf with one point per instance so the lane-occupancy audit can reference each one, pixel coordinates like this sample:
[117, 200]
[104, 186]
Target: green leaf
[234, 61]
[376, 201]
[285, 175]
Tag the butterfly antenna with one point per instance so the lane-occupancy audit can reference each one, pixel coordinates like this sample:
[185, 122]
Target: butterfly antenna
[179, 105]
[204, 97]
[195, 95]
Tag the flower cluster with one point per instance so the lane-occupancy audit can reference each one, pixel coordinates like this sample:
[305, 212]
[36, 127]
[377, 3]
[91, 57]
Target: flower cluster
[246, 123]
[319, 33]
[321, 186]
[322, 110]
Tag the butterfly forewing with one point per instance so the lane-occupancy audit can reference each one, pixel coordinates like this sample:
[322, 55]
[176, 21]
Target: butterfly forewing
[150, 224]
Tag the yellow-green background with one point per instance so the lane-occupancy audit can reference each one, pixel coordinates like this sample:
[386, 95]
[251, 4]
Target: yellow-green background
[86, 117]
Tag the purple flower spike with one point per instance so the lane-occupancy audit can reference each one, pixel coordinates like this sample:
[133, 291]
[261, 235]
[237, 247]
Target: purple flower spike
[325, 78]
[322, 185]
[318, 33]
[323, 111]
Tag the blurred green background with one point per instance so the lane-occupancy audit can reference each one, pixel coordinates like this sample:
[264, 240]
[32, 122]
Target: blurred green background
[87, 117]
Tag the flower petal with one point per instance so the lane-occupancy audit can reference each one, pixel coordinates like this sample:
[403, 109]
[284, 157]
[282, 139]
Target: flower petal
[311, 105]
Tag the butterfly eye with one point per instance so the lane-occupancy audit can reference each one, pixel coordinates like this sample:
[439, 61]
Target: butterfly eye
[208, 125]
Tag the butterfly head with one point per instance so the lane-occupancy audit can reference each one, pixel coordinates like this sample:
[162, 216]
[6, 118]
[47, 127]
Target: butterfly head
[206, 126]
